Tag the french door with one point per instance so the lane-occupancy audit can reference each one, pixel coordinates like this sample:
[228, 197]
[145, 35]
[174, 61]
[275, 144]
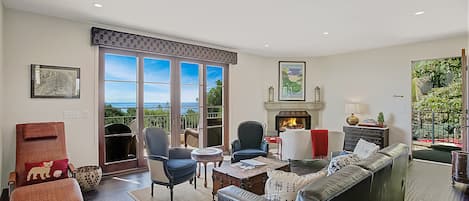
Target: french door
[139, 90]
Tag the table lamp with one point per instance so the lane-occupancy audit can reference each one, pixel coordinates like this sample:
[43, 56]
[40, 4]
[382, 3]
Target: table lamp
[352, 108]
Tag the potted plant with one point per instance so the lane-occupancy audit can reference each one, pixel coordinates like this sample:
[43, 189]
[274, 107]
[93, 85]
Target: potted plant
[381, 119]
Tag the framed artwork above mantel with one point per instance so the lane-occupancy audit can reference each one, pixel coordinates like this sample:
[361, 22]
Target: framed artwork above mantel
[291, 83]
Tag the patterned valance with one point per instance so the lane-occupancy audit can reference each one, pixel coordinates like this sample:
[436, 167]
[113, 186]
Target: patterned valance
[116, 39]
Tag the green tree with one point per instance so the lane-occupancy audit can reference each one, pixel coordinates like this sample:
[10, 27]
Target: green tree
[110, 111]
[437, 87]
[214, 95]
[440, 72]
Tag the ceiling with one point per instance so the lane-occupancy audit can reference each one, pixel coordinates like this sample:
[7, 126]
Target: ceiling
[289, 28]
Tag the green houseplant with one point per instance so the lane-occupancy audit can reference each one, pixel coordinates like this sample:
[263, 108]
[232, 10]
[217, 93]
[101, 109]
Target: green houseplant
[381, 119]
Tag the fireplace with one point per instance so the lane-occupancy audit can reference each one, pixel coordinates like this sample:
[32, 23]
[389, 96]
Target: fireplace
[292, 120]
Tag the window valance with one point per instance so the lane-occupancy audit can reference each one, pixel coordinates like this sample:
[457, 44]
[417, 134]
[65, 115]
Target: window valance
[128, 41]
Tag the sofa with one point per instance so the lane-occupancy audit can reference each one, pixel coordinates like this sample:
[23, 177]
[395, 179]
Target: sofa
[382, 176]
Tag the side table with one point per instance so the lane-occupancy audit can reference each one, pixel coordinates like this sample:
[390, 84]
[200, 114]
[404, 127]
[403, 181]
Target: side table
[205, 156]
[278, 141]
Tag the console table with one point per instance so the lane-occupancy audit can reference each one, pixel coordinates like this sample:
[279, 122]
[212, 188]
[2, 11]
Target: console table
[379, 136]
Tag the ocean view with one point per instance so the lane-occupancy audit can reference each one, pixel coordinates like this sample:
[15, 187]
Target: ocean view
[123, 106]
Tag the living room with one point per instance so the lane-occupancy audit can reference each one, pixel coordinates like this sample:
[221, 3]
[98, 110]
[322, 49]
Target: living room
[362, 54]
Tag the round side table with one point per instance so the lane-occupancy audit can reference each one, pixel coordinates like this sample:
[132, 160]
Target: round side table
[207, 155]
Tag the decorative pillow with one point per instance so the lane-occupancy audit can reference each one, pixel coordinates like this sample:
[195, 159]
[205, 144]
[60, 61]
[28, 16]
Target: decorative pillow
[285, 185]
[46, 171]
[340, 162]
[364, 149]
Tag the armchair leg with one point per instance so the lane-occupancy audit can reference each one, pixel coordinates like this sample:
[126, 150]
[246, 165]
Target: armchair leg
[171, 190]
[152, 189]
[195, 181]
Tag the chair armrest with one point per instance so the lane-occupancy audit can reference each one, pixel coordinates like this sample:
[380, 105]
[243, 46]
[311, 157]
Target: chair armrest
[72, 169]
[11, 182]
[163, 160]
[180, 153]
[265, 146]
[234, 193]
[158, 158]
[235, 146]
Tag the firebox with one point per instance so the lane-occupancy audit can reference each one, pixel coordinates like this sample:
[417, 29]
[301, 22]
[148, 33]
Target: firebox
[292, 120]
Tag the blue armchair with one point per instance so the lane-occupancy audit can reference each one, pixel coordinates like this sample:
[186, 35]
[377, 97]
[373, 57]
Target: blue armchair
[250, 142]
[168, 167]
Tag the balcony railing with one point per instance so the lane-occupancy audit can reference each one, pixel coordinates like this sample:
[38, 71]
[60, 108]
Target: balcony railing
[164, 121]
[432, 127]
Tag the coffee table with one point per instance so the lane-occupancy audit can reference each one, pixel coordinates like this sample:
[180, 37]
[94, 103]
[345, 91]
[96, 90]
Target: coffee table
[252, 180]
[206, 156]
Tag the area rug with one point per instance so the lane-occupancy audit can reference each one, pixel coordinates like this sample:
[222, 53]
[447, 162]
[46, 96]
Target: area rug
[182, 192]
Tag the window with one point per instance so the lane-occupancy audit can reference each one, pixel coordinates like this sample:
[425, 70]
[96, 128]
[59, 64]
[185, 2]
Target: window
[140, 90]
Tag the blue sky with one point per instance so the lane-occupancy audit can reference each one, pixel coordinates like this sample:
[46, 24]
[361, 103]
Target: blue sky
[156, 78]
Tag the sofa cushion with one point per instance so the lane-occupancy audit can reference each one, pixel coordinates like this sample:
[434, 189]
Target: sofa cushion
[307, 166]
[285, 185]
[351, 183]
[340, 162]
[44, 171]
[181, 167]
[364, 149]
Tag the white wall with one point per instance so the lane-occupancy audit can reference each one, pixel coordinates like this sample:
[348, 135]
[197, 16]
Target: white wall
[249, 83]
[1, 85]
[373, 77]
[248, 90]
[33, 39]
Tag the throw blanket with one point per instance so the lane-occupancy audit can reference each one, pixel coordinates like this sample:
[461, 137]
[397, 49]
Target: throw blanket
[319, 141]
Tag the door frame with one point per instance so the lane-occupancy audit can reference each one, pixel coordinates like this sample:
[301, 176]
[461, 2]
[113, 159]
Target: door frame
[124, 165]
[465, 88]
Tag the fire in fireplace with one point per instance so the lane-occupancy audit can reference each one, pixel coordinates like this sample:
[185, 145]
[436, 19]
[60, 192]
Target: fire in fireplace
[292, 120]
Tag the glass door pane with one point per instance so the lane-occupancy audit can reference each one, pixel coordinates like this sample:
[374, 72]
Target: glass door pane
[214, 97]
[189, 110]
[157, 94]
[120, 100]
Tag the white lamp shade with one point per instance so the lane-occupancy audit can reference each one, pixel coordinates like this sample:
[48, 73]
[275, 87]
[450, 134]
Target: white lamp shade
[352, 108]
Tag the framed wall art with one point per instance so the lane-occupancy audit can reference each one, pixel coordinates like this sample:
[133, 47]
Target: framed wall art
[291, 80]
[54, 81]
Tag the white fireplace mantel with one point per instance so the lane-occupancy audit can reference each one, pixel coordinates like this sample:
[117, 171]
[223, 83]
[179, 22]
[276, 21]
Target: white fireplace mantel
[273, 108]
[293, 105]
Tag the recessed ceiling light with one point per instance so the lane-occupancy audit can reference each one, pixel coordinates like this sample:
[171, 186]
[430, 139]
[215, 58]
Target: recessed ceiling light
[97, 5]
[420, 13]
[325, 33]
[266, 45]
